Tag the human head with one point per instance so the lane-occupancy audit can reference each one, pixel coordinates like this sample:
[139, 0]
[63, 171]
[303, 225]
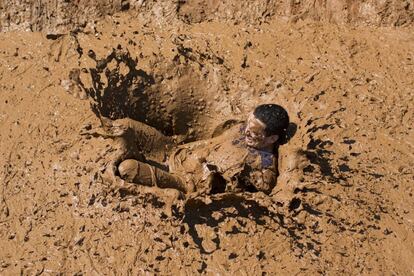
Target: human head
[266, 125]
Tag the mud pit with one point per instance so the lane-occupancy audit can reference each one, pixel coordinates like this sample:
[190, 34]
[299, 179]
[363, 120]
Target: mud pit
[343, 206]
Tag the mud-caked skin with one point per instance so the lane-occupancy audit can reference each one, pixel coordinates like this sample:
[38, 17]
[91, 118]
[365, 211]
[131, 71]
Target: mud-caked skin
[244, 157]
[242, 167]
[132, 140]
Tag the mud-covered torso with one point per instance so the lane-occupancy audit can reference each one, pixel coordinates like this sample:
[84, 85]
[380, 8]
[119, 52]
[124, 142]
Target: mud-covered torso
[242, 167]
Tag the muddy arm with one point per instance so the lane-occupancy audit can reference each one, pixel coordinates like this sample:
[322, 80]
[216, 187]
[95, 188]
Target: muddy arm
[291, 165]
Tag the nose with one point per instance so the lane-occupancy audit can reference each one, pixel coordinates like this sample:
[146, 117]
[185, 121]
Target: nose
[251, 135]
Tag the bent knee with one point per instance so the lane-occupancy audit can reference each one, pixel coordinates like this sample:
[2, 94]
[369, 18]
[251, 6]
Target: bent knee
[128, 169]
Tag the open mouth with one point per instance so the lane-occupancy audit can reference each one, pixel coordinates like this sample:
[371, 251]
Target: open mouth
[250, 140]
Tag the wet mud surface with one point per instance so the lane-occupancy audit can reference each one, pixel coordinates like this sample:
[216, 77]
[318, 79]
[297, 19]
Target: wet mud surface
[343, 202]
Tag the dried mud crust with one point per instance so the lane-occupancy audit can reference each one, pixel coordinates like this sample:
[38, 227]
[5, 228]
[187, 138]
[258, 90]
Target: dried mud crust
[58, 16]
[347, 210]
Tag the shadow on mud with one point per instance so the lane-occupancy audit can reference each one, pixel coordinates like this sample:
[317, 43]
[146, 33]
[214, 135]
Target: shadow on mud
[320, 157]
[240, 211]
[119, 89]
[112, 97]
[229, 206]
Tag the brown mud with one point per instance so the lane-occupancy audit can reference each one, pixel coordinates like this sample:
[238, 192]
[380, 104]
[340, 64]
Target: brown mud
[343, 204]
[56, 17]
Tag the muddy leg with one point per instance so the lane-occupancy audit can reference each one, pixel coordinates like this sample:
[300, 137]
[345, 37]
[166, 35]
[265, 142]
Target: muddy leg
[141, 173]
[291, 165]
[171, 197]
[147, 138]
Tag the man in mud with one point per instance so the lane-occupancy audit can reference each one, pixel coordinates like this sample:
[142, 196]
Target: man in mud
[242, 158]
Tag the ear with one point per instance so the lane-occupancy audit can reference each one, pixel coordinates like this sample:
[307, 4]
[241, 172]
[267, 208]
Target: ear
[272, 139]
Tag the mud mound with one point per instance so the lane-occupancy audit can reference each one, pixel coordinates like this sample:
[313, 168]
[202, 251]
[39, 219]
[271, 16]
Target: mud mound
[342, 205]
[58, 17]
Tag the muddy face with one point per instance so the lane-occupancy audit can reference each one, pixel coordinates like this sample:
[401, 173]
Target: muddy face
[256, 135]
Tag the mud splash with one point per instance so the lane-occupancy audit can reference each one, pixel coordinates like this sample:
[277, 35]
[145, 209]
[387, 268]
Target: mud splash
[169, 100]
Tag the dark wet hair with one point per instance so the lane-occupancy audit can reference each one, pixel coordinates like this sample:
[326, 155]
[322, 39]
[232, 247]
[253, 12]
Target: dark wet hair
[274, 117]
